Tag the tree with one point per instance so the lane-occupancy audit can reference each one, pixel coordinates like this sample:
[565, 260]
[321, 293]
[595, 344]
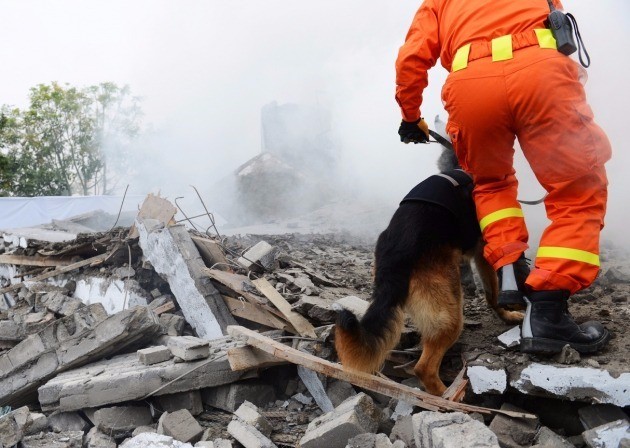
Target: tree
[62, 143]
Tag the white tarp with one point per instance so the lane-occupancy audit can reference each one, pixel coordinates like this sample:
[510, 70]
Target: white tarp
[25, 212]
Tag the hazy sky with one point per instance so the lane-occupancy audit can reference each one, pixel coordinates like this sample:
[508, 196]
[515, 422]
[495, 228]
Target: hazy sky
[205, 68]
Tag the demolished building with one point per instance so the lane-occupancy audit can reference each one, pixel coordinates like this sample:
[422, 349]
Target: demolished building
[156, 334]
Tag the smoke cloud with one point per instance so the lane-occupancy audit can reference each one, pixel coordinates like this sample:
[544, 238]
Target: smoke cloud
[206, 69]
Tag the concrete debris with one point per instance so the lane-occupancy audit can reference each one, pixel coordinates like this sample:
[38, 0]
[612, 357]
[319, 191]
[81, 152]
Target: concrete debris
[173, 255]
[180, 425]
[614, 434]
[110, 337]
[454, 430]
[120, 421]
[354, 416]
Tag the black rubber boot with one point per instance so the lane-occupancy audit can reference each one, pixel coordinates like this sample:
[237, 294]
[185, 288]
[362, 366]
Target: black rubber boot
[512, 284]
[548, 326]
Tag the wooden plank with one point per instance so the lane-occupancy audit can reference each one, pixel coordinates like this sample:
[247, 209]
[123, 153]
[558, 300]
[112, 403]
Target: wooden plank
[62, 270]
[36, 260]
[360, 379]
[253, 313]
[168, 306]
[302, 325]
[457, 389]
[154, 207]
[247, 358]
[211, 253]
[239, 284]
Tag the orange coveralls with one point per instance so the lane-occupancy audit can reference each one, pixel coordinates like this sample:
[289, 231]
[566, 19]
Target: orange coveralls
[511, 82]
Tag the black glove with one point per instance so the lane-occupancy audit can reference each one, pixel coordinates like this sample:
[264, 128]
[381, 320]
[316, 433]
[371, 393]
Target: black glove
[414, 131]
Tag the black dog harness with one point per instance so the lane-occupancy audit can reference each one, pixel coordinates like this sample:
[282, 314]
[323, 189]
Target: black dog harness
[453, 191]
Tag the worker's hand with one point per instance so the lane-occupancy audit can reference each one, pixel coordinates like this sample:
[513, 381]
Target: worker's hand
[414, 131]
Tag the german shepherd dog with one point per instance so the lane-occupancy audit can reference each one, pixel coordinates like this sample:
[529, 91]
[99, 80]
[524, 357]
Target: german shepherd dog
[417, 271]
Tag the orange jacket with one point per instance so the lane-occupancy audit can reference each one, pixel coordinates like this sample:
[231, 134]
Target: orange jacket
[441, 27]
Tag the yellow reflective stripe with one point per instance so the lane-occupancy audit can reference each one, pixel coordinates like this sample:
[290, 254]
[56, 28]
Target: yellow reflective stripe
[502, 48]
[500, 214]
[545, 38]
[460, 60]
[568, 254]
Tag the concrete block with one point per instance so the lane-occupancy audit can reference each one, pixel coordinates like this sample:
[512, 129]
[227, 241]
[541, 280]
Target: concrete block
[188, 348]
[546, 438]
[511, 432]
[174, 256]
[354, 416]
[230, 397]
[451, 430]
[39, 423]
[69, 343]
[351, 303]
[403, 431]
[260, 257]
[153, 440]
[485, 380]
[369, 441]
[180, 425]
[172, 324]
[13, 426]
[339, 391]
[67, 421]
[107, 382]
[190, 400]
[60, 303]
[573, 383]
[248, 436]
[511, 338]
[154, 355]
[96, 439]
[68, 439]
[143, 429]
[613, 434]
[250, 414]
[217, 443]
[120, 421]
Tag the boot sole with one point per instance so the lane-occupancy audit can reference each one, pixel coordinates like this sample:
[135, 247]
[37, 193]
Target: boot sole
[511, 299]
[552, 346]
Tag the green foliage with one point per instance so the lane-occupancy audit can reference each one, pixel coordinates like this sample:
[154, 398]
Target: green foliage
[62, 143]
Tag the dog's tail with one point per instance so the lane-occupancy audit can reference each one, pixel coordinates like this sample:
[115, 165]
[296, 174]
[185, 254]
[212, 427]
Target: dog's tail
[364, 345]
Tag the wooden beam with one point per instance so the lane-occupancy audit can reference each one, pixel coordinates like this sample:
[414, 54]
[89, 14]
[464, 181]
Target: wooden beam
[211, 253]
[36, 260]
[253, 313]
[300, 323]
[168, 306]
[154, 207]
[62, 270]
[247, 358]
[361, 379]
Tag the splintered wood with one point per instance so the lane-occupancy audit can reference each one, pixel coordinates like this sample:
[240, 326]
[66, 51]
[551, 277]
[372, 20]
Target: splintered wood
[381, 385]
[154, 207]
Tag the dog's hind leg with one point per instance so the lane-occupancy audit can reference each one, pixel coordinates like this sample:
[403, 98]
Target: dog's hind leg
[491, 289]
[436, 309]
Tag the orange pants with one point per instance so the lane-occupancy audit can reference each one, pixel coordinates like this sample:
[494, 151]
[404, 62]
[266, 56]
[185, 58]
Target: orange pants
[536, 97]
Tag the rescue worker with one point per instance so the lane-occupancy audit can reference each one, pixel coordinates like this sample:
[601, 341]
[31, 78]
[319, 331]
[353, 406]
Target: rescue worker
[507, 80]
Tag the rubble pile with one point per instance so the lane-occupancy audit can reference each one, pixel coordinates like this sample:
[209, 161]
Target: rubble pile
[156, 335]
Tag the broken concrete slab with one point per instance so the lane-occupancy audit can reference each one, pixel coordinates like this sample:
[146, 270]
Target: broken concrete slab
[68, 343]
[514, 433]
[148, 439]
[354, 416]
[369, 441]
[231, 396]
[107, 382]
[188, 348]
[67, 421]
[487, 380]
[511, 338]
[96, 439]
[351, 303]
[189, 400]
[154, 355]
[120, 421]
[13, 426]
[546, 438]
[180, 425]
[259, 258]
[339, 391]
[248, 413]
[613, 434]
[452, 430]
[71, 439]
[174, 256]
[248, 436]
[574, 383]
[403, 431]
